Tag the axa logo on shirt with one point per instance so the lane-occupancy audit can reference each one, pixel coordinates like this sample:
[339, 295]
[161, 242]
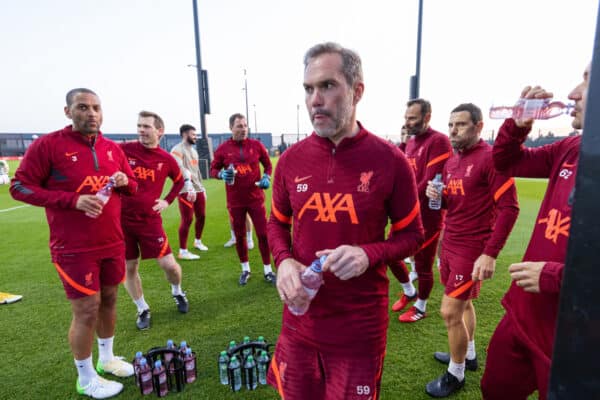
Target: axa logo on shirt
[93, 183]
[556, 225]
[455, 187]
[243, 169]
[144, 173]
[326, 208]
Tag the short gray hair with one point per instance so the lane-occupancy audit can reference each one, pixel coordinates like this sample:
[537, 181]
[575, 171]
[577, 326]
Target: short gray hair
[351, 63]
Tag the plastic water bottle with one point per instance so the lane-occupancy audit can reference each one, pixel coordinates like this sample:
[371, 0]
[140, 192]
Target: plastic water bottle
[182, 349]
[189, 364]
[261, 366]
[232, 346]
[235, 374]
[312, 279]
[250, 373]
[159, 375]
[232, 168]
[145, 373]
[168, 357]
[223, 362]
[136, 366]
[438, 185]
[262, 344]
[104, 193]
[531, 108]
[248, 350]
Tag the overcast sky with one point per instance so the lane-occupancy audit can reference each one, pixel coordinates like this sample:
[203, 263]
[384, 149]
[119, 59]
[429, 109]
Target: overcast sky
[134, 54]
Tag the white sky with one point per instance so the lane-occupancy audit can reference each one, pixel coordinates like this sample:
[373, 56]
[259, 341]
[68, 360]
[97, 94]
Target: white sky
[134, 54]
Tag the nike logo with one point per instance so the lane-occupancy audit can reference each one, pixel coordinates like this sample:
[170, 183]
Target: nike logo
[457, 284]
[298, 180]
[567, 165]
[71, 154]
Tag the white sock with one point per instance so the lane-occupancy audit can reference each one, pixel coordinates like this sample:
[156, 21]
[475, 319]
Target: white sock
[182, 251]
[421, 304]
[176, 290]
[105, 349]
[471, 350]
[412, 266]
[233, 236]
[409, 289]
[458, 370]
[198, 241]
[249, 236]
[85, 370]
[141, 304]
[246, 266]
[267, 268]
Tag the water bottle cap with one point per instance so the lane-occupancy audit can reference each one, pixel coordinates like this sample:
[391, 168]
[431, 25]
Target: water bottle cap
[188, 351]
[232, 343]
[246, 338]
[157, 364]
[250, 358]
[143, 361]
[169, 343]
[223, 353]
[263, 353]
[138, 354]
[322, 259]
[183, 344]
[233, 358]
[261, 338]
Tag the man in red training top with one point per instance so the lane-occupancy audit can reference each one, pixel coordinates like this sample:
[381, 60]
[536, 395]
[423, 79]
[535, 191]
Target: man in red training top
[245, 190]
[520, 350]
[481, 211]
[333, 194]
[62, 171]
[141, 220]
[427, 152]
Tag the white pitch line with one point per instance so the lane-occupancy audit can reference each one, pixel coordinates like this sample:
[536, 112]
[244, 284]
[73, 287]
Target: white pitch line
[13, 208]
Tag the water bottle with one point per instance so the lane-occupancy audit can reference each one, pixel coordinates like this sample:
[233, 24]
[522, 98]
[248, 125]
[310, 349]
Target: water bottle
[312, 279]
[159, 375]
[168, 357]
[232, 346]
[250, 373]
[531, 108]
[145, 377]
[104, 193]
[189, 364]
[223, 362]
[235, 374]
[182, 349]
[438, 185]
[262, 366]
[248, 350]
[262, 344]
[232, 168]
[136, 366]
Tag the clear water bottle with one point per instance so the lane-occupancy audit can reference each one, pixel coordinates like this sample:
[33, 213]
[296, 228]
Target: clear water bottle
[146, 385]
[250, 373]
[312, 279]
[189, 364]
[159, 376]
[136, 366]
[438, 185]
[104, 193]
[232, 168]
[248, 350]
[531, 108]
[232, 346]
[262, 365]
[235, 374]
[223, 362]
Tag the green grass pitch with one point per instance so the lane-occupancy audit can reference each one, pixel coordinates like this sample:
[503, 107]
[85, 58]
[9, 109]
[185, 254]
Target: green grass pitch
[37, 363]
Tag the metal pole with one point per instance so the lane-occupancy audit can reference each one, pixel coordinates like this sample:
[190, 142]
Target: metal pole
[297, 122]
[255, 123]
[199, 72]
[246, 90]
[415, 80]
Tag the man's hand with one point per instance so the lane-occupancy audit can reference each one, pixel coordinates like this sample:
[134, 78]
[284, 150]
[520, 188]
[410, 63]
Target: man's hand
[89, 204]
[527, 275]
[431, 192]
[289, 286]
[120, 179]
[264, 182]
[535, 92]
[227, 175]
[345, 261]
[483, 268]
[191, 196]
[159, 205]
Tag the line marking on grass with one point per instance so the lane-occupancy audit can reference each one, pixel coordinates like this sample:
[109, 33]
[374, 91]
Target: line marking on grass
[14, 208]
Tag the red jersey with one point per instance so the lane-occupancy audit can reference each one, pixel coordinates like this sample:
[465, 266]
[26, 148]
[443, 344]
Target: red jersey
[151, 167]
[427, 153]
[56, 169]
[535, 314]
[482, 204]
[330, 195]
[245, 155]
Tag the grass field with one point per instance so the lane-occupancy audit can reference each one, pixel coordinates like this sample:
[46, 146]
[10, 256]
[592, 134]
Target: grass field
[37, 363]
